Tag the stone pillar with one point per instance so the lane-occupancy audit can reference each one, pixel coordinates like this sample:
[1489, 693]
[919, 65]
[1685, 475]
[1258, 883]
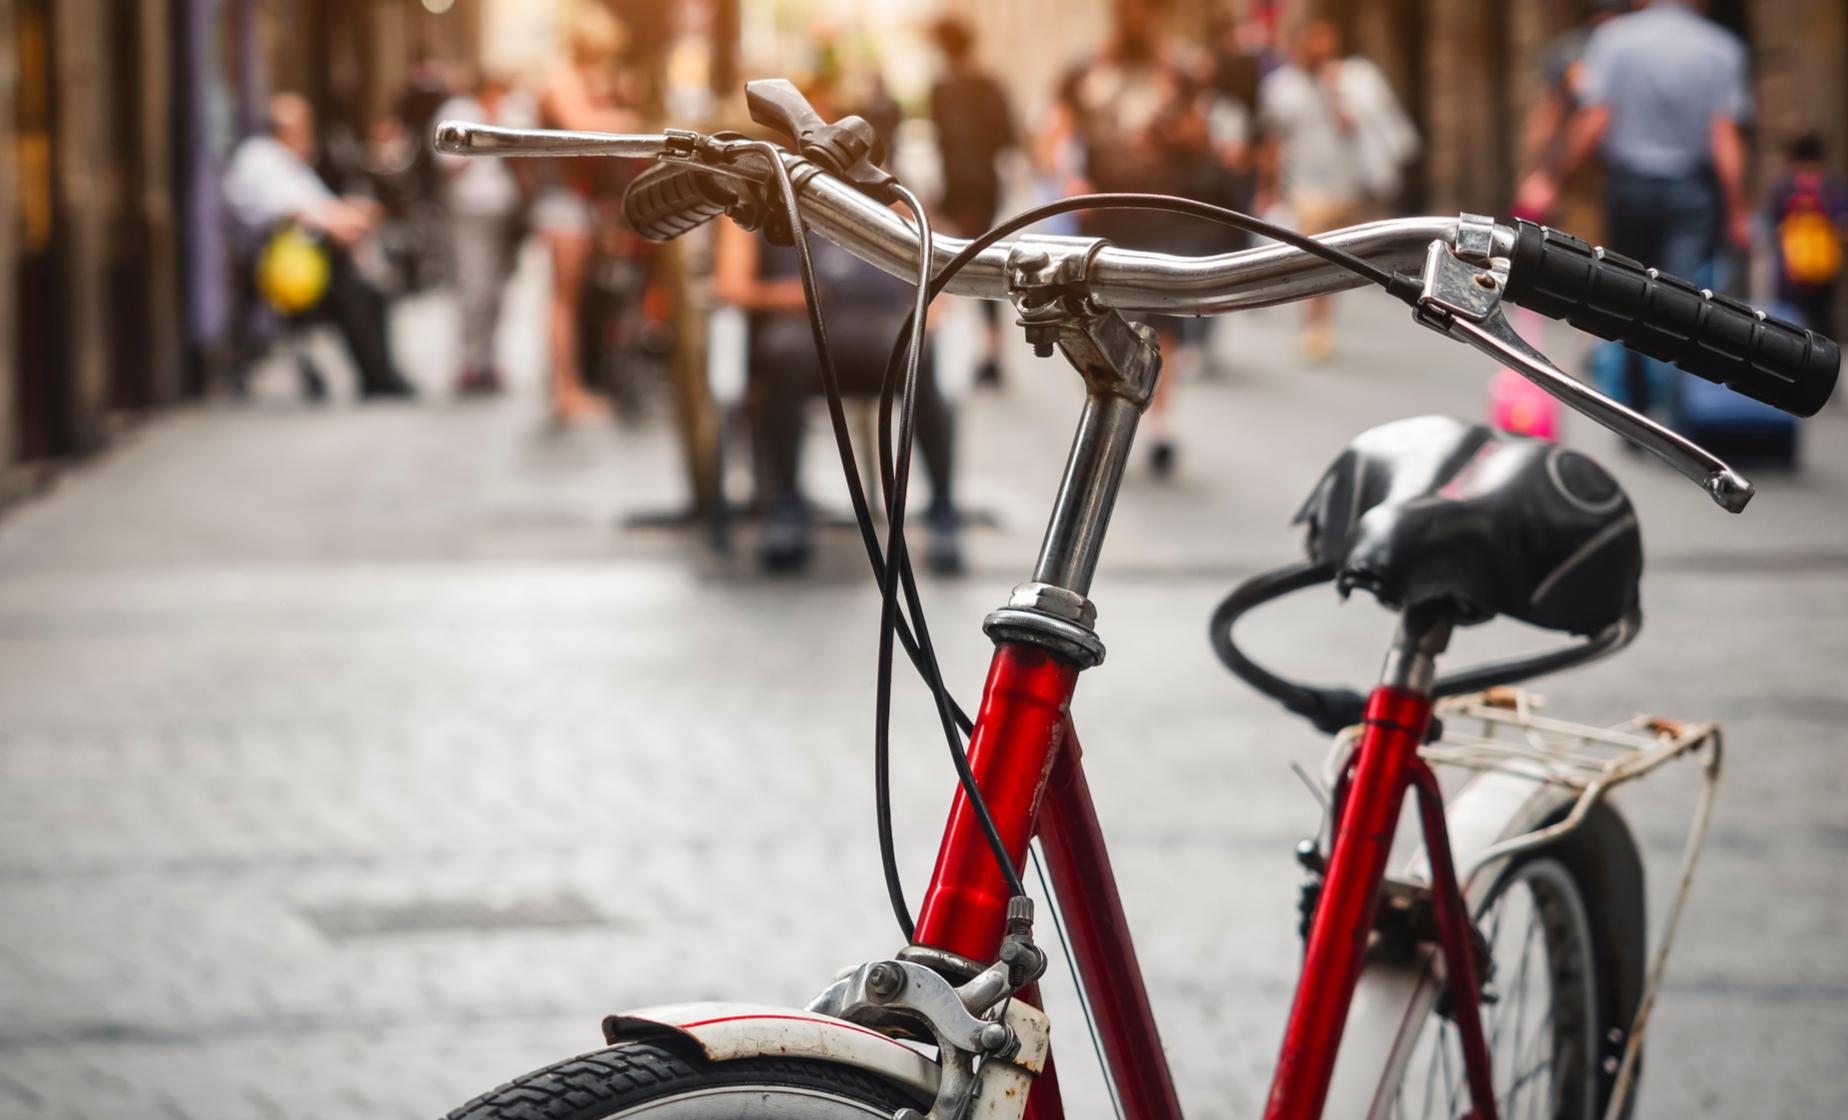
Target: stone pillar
[1800, 85]
[1465, 106]
[1797, 52]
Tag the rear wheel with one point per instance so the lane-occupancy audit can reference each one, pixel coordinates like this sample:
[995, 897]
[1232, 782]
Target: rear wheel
[1565, 973]
[647, 1080]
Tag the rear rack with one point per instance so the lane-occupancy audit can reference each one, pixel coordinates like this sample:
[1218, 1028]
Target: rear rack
[1512, 737]
[1501, 730]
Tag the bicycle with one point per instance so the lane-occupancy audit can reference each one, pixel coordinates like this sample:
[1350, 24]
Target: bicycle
[1417, 988]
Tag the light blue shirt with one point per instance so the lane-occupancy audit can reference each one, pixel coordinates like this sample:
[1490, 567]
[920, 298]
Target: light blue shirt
[1665, 74]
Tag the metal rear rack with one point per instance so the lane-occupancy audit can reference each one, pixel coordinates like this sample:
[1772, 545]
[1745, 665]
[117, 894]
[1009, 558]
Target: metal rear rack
[1501, 730]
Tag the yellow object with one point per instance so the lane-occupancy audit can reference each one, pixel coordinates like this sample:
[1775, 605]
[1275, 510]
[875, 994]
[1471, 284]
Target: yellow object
[1812, 248]
[292, 271]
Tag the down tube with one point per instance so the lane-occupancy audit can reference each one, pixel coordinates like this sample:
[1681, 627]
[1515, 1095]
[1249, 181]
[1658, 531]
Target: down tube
[1079, 865]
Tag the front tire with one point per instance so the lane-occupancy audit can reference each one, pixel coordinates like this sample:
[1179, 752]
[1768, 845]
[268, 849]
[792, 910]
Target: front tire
[655, 1082]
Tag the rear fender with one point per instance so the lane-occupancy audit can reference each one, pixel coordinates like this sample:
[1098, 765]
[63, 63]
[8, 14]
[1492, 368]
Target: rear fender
[725, 1032]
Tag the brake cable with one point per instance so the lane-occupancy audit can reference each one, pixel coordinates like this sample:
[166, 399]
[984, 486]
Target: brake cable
[883, 563]
[892, 565]
[895, 467]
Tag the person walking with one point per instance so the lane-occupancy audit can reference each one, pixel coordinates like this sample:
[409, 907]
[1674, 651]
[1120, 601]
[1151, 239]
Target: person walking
[1335, 138]
[1543, 133]
[975, 127]
[583, 94]
[1809, 220]
[1663, 94]
[1134, 111]
[270, 186]
[483, 200]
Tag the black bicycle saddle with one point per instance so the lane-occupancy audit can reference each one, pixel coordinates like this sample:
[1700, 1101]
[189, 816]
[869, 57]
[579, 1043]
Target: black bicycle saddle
[1433, 510]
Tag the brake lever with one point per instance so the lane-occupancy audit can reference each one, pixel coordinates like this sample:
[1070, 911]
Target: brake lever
[1463, 302]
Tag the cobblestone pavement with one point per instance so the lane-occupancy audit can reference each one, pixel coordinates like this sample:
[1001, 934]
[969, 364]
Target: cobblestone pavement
[356, 759]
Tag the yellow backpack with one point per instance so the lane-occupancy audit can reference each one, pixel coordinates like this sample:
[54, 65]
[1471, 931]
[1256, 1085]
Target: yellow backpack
[1809, 241]
[292, 272]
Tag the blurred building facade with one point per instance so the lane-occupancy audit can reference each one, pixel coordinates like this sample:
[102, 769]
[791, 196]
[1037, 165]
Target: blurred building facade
[115, 120]
[116, 278]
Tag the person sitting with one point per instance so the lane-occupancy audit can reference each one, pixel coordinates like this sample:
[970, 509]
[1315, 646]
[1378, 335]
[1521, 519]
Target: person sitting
[271, 187]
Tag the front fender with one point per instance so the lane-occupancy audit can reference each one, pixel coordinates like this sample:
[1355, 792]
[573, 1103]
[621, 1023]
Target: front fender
[725, 1032]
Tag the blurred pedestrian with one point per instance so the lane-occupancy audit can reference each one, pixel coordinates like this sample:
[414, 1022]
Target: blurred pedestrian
[584, 92]
[484, 204]
[1543, 134]
[866, 309]
[272, 190]
[1809, 221]
[1230, 101]
[1134, 110]
[1335, 140]
[415, 108]
[975, 127]
[1663, 92]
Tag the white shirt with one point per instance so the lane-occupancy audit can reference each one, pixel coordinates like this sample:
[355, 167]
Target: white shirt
[266, 182]
[483, 186]
[1318, 157]
[1322, 159]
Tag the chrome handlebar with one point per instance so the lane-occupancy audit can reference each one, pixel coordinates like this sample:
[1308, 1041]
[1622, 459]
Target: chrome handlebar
[1125, 279]
[1463, 260]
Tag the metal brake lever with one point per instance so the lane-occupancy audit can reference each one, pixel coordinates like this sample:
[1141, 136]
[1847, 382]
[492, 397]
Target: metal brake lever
[1463, 301]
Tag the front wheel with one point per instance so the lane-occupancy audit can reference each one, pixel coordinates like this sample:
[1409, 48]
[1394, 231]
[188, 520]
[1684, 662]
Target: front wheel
[647, 1080]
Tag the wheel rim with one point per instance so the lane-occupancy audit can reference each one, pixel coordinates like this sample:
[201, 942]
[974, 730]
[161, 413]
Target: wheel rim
[753, 1102]
[1542, 1023]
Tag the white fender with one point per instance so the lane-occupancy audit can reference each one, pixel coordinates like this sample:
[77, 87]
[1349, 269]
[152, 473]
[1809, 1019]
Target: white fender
[1393, 1000]
[728, 1031]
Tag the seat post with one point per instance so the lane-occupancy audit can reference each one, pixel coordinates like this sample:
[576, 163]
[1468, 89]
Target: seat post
[1411, 663]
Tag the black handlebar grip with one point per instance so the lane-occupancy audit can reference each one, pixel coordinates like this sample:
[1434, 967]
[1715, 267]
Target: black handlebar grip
[670, 199]
[1665, 317]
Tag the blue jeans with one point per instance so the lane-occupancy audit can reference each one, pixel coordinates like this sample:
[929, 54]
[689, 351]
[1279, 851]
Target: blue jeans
[1671, 224]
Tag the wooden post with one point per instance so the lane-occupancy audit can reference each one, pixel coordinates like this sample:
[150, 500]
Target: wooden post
[158, 104]
[1468, 148]
[82, 80]
[9, 180]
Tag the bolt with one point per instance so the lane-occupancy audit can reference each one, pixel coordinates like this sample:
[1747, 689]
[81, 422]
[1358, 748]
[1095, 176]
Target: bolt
[1485, 280]
[884, 980]
[1029, 259]
[995, 1037]
[1042, 336]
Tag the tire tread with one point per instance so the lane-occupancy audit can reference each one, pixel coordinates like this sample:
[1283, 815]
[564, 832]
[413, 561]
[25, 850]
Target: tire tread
[595, 1085]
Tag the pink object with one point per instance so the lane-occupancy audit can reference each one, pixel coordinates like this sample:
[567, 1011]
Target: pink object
[1518, 405]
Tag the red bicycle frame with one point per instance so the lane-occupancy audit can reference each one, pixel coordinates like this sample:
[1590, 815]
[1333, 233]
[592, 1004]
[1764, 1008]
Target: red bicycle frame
[1026, 760]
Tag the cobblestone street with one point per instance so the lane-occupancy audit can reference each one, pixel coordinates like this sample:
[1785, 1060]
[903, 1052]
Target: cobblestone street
[356, 759]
